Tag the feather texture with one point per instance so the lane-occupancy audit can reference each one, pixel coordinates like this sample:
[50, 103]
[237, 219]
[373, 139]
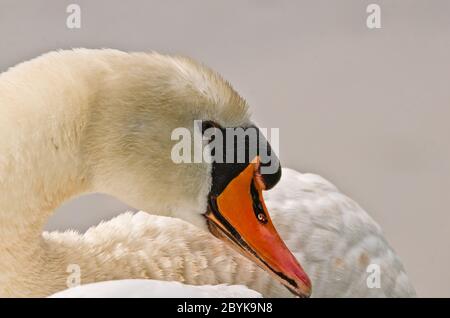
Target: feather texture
[330, 234]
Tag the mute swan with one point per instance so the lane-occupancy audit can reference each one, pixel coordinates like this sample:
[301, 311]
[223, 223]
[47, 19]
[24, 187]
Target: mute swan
[80, 121]
[335, 240]
[146, 288]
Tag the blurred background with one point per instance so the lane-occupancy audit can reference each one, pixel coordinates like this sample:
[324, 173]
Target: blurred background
[367, 109]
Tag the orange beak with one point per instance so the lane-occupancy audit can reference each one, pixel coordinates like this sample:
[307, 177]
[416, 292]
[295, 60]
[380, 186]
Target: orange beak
[239, 216]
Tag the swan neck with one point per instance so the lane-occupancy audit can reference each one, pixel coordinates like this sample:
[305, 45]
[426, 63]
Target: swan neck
[41, 163]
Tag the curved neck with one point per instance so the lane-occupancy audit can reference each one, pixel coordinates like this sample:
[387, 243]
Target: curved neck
[41, 163]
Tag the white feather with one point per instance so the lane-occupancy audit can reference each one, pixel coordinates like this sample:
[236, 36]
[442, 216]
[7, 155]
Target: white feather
[145, 288]
[334, 239]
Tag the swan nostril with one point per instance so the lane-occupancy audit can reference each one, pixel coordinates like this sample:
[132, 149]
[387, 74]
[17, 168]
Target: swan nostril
[262, 218]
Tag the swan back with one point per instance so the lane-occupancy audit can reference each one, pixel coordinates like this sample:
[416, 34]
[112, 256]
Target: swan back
[339, 244]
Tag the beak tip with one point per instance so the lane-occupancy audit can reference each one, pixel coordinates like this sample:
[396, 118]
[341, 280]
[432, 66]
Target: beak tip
[307, 291]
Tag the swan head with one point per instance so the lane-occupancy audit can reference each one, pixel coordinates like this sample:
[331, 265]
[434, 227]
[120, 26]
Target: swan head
[148, 105]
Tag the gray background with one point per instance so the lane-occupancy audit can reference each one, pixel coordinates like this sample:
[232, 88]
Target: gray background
[367, 109]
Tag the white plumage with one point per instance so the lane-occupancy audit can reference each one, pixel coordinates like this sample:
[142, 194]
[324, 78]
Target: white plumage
[146, 288]
[334, 238]
[329, 233]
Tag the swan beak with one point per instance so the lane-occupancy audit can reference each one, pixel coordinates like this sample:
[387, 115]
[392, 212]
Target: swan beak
[239, 216]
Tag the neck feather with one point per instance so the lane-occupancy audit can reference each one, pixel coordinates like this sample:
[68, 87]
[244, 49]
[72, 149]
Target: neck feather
[41, 164]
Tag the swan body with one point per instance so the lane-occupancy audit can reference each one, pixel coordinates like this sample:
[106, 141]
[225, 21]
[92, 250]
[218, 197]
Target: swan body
[332, 236]
[81, 121]
[335, 239]
[146, 246]
[145, 288]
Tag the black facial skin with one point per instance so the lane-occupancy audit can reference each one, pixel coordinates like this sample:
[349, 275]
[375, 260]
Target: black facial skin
[257, 205]
[223, 172]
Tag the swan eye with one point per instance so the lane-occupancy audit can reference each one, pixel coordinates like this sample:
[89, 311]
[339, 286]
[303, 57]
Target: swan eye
[209, 130]
[207, 124]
